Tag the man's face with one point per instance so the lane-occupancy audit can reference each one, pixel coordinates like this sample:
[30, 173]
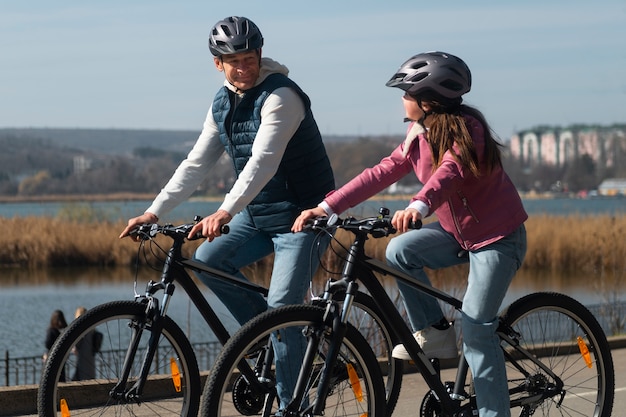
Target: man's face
[242, 69]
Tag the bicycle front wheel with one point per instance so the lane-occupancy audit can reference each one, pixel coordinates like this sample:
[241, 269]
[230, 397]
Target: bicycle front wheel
[564, 335]
[172, 386]
[356, 384]
[365, 317]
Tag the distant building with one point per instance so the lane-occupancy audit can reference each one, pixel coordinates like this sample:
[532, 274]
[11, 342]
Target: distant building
[556, 146]
[81, 164]
[612, 187]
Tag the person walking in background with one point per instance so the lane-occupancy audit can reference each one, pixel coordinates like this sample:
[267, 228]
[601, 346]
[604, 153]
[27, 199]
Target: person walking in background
[451, 150]
[264, 122]
[85, 354]
[57, 325]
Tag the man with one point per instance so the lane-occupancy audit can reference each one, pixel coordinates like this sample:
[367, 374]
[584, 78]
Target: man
[263, 120]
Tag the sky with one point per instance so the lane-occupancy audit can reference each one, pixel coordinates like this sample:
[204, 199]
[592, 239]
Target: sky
[145, 64]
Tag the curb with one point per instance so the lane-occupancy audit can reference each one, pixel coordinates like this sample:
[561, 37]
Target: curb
[21, 400]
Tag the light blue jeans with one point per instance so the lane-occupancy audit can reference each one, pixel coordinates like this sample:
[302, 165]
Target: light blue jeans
[296, 258]
[491, 270]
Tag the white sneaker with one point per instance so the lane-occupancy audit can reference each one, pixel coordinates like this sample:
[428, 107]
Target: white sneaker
[434, 342]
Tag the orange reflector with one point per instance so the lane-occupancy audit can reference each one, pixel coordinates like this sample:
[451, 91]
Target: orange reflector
[584, 351]
[354, 381]
[175, 375]
[65, 410]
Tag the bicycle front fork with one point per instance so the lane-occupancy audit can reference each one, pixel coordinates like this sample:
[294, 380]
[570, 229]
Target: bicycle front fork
[152, 319]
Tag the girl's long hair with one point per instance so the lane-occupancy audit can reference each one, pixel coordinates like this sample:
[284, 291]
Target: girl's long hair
[448, 127]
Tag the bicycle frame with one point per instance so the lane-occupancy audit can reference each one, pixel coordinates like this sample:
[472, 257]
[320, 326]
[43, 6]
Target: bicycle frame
[358, 264]
[360, 267]
[175, 271]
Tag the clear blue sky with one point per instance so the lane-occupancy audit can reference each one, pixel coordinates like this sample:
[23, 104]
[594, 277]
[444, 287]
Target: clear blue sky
[145, 64]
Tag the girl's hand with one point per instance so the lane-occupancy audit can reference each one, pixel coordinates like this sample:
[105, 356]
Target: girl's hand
[300, 222]
[402, 219]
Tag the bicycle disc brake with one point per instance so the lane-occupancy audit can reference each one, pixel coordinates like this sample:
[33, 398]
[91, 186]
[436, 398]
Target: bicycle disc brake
[246, 399]
[430, 406]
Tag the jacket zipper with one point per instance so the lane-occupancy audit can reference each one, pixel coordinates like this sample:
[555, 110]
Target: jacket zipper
[467, 207]
[456, 224]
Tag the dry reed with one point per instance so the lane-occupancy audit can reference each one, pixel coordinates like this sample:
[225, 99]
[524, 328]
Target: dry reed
[557, 243]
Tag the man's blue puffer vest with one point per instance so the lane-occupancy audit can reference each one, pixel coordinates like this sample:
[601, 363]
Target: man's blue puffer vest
[304, 175]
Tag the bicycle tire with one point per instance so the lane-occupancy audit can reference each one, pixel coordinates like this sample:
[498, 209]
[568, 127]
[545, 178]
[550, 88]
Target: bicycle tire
[550, 325]
[365, 317]
[160, 397]
[344, 400]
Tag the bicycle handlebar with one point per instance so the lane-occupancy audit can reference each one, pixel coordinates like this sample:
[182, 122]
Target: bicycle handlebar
[378, 226]
[149, 230]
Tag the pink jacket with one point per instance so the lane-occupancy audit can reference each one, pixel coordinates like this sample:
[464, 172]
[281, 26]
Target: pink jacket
[477, 211]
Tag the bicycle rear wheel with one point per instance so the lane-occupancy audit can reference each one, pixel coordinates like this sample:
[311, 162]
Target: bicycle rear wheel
[356, 389]
[173, 384]
[567, 338]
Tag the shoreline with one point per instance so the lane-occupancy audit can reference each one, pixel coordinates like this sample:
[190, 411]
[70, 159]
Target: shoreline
[89, 198]
[85, 198]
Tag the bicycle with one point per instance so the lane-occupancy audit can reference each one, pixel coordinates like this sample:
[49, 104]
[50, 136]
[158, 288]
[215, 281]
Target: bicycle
[557, 356]
[145, 359]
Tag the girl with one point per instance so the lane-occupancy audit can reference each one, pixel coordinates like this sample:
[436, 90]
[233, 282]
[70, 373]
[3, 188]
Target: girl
[54, 330]
[480, 217]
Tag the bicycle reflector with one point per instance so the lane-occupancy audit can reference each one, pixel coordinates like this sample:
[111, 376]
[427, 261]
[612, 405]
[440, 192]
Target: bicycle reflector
[354, 381]
[175, 374]
[584, 351]
[65, 410]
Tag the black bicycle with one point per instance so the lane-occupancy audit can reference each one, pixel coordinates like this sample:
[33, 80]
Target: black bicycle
[557, 355]
[145, 362]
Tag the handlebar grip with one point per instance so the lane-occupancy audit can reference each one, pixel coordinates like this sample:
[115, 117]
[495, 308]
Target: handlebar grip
[224, 229]
[415, 225]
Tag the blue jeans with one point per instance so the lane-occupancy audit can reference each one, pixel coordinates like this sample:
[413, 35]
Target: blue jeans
[296, 258]
[491, 270]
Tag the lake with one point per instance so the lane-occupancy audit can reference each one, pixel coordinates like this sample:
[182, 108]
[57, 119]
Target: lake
[116, 210]
[27, 298]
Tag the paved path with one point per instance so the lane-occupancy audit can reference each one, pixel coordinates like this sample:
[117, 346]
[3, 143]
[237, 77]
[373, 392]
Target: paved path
[414, 389]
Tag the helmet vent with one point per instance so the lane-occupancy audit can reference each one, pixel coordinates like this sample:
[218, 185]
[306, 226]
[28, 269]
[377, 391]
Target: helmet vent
[451, 85]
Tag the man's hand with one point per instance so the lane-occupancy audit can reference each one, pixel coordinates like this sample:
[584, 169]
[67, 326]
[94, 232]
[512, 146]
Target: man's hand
[136, 222]
[211, 226]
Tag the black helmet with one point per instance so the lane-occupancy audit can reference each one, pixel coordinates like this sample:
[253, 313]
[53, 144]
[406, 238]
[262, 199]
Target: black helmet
[233, 35]
[436, 72]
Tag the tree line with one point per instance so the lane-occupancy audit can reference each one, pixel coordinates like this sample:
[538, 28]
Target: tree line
[37, 167]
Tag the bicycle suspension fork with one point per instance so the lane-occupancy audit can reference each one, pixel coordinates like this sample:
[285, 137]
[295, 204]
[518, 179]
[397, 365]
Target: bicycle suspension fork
[153, 318]
[335, 325]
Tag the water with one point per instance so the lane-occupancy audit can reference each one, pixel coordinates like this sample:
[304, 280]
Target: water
[27, 300]
[116, 210]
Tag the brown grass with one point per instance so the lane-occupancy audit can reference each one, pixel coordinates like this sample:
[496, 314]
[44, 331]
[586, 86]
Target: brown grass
[557, 243]
[582, 243]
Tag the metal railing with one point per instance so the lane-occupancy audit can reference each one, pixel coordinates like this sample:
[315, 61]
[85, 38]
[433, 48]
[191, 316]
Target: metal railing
[27, 370]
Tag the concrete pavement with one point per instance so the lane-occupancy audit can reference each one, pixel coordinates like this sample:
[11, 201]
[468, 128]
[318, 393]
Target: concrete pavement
[413, 391]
